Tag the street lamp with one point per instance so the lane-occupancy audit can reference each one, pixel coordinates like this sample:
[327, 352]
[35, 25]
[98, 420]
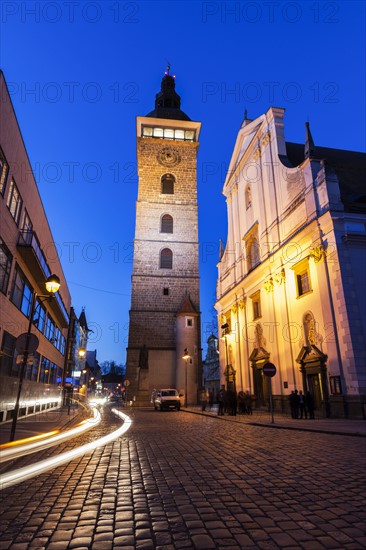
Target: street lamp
[186, 357]
[225, 332]
[52, 286]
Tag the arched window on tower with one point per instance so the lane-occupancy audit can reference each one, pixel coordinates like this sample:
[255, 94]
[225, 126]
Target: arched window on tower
[248, 197]
[166, 259]
[166, 224]
[167, 184]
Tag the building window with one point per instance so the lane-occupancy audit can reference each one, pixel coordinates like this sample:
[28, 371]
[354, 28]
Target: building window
[22, 292]
[189, 322]
[5, 266]
[166, 291]
[252, 247]
[168, 133]
[248, 197]
[167, 184]
[335, 385]
[27, 225]
[50, 329]
[166, 224]
[256, 305]
[44, 371]
[302, 277]
[7, 353]
[14, 202]
[4, 169]
[166, 259]
[62, 344]
[39, 317]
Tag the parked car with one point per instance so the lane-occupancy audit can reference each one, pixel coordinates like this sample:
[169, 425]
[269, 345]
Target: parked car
[166, 398]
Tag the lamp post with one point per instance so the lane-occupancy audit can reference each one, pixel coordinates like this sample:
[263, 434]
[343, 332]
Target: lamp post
[186, 358]
[52, 286]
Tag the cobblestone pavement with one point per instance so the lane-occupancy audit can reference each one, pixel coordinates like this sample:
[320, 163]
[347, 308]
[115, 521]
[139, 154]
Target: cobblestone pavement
[180, 480]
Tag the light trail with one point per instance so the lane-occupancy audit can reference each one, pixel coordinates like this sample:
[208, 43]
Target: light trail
[17, 476]
[17, 449]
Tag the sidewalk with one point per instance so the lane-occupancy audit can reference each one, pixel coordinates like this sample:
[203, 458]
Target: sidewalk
[44, 422]
[340, 426]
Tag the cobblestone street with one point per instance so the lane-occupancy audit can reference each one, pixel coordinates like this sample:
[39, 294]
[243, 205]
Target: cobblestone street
[179, 480]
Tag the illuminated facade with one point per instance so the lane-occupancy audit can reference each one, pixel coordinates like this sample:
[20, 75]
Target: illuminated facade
[291, 277]
[27, 258]
[164, 314]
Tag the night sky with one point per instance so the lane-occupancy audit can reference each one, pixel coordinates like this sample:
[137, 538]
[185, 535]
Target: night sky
[80, 72]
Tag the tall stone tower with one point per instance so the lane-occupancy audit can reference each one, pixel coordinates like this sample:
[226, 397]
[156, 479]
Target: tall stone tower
[165, 303]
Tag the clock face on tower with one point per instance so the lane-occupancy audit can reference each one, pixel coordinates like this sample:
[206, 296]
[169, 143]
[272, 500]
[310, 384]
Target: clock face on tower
[168, 157]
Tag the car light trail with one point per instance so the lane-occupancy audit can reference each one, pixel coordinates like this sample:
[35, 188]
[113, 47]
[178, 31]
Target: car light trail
[17, 476]
[19, 448]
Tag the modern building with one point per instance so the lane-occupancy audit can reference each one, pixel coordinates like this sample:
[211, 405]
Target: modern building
[291, 277]
[165, 303]
[27, 258]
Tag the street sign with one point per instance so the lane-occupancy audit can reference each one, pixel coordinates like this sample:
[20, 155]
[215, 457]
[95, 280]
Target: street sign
[127, 383]
[21, 343]
[269, 369]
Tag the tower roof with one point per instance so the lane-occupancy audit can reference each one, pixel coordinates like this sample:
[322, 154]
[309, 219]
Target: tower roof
[187, 306]
[167, 101]
[82, 320]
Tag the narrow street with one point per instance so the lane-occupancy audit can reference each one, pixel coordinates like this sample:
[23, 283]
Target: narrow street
[179, 480]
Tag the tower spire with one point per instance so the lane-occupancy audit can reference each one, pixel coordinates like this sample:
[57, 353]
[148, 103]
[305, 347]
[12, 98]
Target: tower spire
[309, 142]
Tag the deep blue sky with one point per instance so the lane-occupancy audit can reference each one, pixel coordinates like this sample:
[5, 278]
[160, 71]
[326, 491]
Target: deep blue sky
[94, 66]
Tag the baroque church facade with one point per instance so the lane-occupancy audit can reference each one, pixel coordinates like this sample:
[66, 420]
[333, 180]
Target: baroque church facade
[291, 278]
[164, 342]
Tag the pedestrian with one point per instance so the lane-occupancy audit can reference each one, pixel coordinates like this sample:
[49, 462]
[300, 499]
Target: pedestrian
[204, 399]
[248, 403]
[232, 402]
[310, 404]
[241, 402]
[221, 398]
[302, 405]
[211, 397]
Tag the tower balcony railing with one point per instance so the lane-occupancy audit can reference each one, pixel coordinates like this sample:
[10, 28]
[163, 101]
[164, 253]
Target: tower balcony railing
[31, 252]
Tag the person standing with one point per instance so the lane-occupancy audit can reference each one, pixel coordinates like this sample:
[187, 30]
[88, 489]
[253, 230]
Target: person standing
[310, 404]
[302, 405]
[204, 398]
[221, 398]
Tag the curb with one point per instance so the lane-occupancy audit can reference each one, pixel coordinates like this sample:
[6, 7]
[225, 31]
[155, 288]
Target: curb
[277, 426]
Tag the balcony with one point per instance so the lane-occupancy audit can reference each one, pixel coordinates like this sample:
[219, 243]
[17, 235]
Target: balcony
[31, 252]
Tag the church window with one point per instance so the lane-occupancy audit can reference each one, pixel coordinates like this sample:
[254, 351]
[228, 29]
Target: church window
[302, 278]
[166, 259]
[335, 385]
[166, 224]
[167, 184]
[256, 303]
[166, 291]
[248, 197]
[189, 322]
[252, 253]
